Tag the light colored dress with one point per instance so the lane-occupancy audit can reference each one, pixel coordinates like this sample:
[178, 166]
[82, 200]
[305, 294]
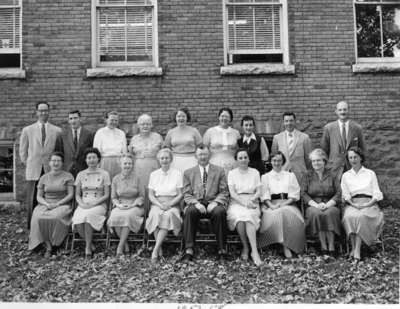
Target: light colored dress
[112, 144]
[165, 186]
[125, 189]
[223, 144]
[145, 149]
[183, 142]
[51, 225]
[92, 184]
[284, 225]
[321, 190]
[245, 185]
[366, 222]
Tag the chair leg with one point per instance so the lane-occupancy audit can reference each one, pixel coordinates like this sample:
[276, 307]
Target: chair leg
[72, 242]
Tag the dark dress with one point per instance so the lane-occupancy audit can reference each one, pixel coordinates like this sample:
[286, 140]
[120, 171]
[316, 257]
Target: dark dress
[254, 150]
[321, 190]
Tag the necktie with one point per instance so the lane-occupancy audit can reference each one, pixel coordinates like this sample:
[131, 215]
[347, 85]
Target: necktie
[43, 134]
[75, 138]
[290, 142]
[344, 139]
[204, 181]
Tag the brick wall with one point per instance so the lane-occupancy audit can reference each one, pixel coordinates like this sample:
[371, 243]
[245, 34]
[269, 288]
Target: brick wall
[57, 52]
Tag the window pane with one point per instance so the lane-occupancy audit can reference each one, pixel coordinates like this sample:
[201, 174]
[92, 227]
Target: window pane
[10, 60]
[6, 157]
[6, 182]
[6, 169]
[391, 30]
[368, 31]
[9, 28]
[140, 38]
[125, 2]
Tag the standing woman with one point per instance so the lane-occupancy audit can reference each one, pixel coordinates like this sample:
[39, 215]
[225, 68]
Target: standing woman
[255, 145]
[222, 140]
[165, 194]
[282, 221]
[51, 217]
[321, 194]
[111, 142]
[92, 190]
[144, 147]
[244, 208]
[127, 214]
[362, 218]
[183, 140]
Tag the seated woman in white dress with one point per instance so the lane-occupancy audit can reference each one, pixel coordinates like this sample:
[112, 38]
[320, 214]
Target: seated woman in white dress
[52, 216]
[362, 218]
[281, 221]
[127, 214]
[244, 210]
[165, 194]
[92, 191]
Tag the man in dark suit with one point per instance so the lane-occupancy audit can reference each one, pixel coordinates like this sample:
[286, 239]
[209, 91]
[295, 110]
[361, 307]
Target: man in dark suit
[338, 136]
[206, 194]
[36, 145]
[73, 142]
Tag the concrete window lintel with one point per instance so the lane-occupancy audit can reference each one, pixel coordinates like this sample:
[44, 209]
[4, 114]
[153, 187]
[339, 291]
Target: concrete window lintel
[375, 67]
[123, 71]
[258, 69]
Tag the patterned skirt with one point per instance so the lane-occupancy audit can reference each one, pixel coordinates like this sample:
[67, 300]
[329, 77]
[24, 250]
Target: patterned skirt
[366, 223]
[164, 219]
[131, 218]
[49, 225]
[322, 220]
[238, 213]
[284, 225]
[95, 216]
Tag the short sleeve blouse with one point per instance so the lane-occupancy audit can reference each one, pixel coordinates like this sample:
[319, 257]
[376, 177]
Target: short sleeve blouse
[363, 182]
[89, 180]
[244, 182]
[282, 182]
[166, 183]
[183, 140]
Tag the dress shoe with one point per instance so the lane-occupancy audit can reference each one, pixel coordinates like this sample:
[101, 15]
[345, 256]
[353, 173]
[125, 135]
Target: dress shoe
[187, 257]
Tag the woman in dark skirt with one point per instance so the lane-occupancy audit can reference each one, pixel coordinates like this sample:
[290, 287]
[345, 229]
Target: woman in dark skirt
[321, 194]
[254, 144]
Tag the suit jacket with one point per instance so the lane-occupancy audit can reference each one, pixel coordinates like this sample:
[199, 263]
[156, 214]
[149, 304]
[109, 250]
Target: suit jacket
[74, 160]
[297, 160]
[32, 153]
[332, 144]
[216, 188]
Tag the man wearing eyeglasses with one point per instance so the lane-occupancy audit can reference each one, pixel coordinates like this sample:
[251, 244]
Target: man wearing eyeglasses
[37, 142]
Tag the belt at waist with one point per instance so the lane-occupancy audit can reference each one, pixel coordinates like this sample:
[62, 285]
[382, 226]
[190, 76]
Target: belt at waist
[361, 195]
[279, 196]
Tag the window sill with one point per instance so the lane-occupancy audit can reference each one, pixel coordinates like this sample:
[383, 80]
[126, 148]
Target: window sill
[12, 74]
[257, 69]
[375, 67]
[123, 72]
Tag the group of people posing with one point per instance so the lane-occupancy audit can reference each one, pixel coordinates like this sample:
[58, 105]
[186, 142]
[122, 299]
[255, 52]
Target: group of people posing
[220, 175]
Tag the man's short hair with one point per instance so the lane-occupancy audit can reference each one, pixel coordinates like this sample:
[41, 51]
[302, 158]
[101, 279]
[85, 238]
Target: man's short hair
[247, 118]
[108, 114]
[75, 112]
[41, 102]
[202, 147]
[289, 114]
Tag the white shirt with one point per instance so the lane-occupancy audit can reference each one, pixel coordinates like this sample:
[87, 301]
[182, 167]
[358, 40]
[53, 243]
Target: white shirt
[46, 125]
[363, 182]
[78, 133]
[202, 170]
[110, 142]
[247, 139]
[282, 182]
[244, 182]
[166, 183]
[346, 126]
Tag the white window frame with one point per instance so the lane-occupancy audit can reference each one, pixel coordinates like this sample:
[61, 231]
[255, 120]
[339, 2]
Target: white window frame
[284, 31]
[10, 195]
[371, 60]
[96, 63]
[14, 50]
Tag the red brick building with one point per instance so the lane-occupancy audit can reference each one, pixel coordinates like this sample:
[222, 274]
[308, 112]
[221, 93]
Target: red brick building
[258, 57]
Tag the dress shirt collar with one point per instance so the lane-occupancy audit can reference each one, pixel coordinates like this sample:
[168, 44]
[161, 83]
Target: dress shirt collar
[287, 133]
[247, 139]
[168, 172]
[202, 169]
[78, 131]
[346, 125]
[45, 124]
[361, 170]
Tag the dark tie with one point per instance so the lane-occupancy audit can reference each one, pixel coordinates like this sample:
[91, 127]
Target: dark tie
[75, 138]
[344, 135]
[43, 134]
[204, 181]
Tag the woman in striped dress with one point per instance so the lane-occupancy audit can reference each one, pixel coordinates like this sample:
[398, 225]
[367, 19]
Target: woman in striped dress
[281, 221]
